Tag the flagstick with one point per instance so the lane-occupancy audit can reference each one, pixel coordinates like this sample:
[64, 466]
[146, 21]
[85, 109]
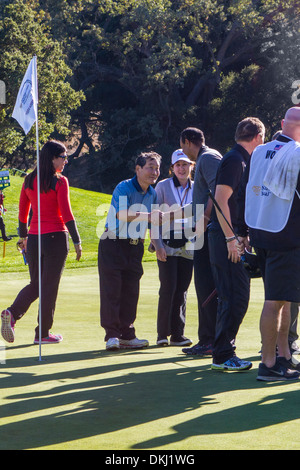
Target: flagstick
[26, 113]
[39, 217]
[39, 243]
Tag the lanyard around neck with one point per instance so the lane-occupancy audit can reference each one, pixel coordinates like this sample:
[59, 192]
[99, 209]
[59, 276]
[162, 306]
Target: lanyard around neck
[184, 197]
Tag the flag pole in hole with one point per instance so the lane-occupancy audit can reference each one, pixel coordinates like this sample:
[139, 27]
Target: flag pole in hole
[26, 113]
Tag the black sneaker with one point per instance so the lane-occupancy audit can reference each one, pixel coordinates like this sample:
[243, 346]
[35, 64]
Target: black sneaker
[199, 350]
[280, 371]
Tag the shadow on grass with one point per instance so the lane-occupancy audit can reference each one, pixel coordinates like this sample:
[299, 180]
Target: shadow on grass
[105, 398]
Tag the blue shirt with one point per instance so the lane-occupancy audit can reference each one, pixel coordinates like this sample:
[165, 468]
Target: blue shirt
[129, 194]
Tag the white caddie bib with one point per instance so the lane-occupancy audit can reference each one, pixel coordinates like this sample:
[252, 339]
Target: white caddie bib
[264, 210]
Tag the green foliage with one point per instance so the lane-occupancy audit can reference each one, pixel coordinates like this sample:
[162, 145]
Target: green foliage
[23, 33]
[235, 88]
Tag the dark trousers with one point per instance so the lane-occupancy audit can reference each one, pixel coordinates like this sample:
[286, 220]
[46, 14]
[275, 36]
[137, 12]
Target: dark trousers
[204, 285]
[120, 270]
[2, 228]
[54, 251]
[233, 288]
[175, 276]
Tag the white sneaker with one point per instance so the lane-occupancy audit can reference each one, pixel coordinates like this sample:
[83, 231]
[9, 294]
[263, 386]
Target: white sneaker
[8, 326]
[112, 344]
[133, 343]
[162, 342]
[181, 341]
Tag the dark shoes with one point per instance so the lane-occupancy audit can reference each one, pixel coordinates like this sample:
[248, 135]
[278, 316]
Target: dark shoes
[283, 369]
[199, 350]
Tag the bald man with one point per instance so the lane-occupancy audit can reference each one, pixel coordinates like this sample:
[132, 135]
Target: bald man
[269, 221]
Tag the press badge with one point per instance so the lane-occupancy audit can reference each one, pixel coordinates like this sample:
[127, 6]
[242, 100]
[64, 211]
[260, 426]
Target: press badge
[181, 221]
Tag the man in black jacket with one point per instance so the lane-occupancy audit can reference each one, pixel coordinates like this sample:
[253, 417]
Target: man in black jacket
[231, 280]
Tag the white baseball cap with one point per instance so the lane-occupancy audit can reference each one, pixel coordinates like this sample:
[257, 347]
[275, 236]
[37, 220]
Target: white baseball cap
[180, 155]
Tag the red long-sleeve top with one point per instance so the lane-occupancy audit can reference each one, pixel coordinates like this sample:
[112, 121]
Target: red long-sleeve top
[55, 207]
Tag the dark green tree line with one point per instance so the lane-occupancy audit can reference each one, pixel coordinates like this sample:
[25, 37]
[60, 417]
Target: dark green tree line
[147, 69]
[24, 33]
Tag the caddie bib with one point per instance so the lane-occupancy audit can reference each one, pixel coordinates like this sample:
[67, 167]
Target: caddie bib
[264, 210]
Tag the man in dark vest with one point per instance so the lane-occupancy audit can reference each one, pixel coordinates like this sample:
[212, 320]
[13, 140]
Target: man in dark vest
[207, 160]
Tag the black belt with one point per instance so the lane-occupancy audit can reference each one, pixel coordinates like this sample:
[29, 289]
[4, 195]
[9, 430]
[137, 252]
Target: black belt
[131, 241]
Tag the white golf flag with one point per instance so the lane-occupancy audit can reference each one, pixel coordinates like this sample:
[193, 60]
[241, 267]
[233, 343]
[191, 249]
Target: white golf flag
[25, 110]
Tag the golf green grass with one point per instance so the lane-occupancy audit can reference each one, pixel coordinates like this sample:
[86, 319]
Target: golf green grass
[81, 397]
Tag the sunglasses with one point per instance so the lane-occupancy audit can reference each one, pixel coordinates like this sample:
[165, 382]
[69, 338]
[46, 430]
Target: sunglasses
[65, 157]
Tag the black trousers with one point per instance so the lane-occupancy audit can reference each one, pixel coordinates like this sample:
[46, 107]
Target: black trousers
[120, 270]
[2, 228]
[233, 288]
[204, 286]
[54, 251]
[175, 276]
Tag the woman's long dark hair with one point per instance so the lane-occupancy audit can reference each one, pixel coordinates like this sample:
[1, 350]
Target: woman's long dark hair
[50, 150]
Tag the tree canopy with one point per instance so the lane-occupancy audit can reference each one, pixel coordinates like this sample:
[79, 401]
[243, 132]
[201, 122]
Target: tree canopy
[117, 77]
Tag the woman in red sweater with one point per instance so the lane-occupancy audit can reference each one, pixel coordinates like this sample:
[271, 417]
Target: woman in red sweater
[57, 221]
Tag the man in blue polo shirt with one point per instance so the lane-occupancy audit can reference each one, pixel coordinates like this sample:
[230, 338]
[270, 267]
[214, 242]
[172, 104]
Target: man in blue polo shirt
[121, 250]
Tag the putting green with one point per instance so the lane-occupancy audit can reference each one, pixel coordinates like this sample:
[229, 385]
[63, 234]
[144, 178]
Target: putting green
[82, 397]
